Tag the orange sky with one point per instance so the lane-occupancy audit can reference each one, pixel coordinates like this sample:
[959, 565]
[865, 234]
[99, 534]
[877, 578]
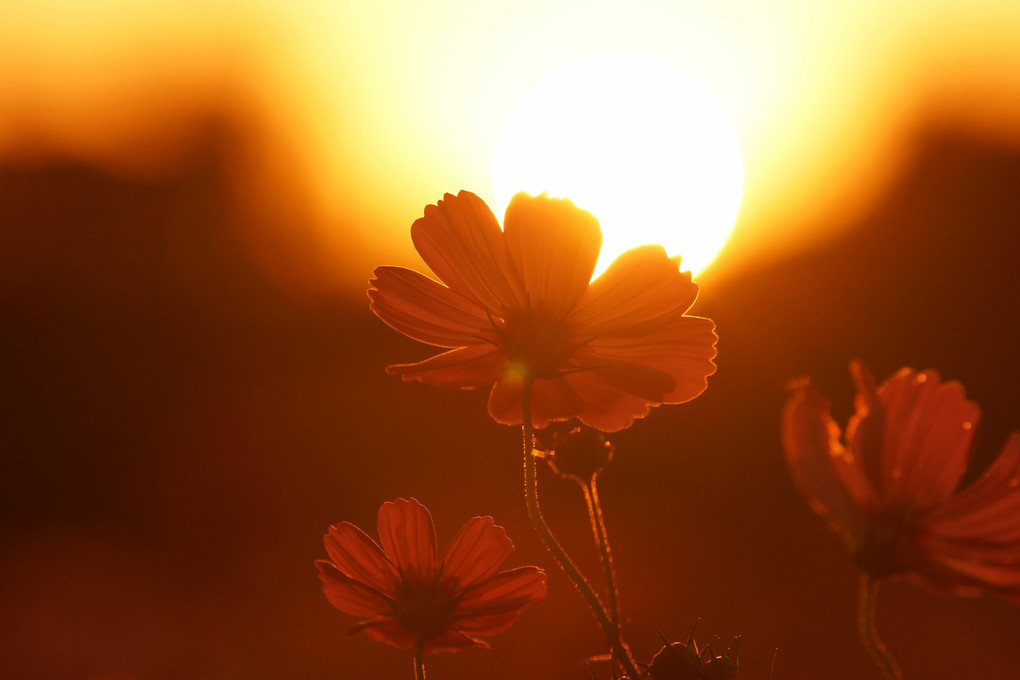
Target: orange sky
[365, 112]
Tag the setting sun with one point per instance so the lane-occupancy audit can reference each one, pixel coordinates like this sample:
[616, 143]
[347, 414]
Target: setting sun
[636, 142]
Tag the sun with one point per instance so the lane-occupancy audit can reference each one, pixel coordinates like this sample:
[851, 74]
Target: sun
[638, 143]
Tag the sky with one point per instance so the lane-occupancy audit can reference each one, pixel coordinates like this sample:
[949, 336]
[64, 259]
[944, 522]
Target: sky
[194, 196]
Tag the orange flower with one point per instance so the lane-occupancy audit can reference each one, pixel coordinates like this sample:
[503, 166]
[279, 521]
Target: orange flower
[892, 488]
[409, 595]
[518, 305]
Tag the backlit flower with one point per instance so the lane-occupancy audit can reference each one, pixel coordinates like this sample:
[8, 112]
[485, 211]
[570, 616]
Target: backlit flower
[892, 488]
[408, 594]
[518, 303]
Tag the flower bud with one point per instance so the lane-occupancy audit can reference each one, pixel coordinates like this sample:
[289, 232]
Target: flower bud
[684, 661]
[575, 450]
[722, 667]
[676, 661]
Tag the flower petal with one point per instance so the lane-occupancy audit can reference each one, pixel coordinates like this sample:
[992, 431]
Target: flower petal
[988, 509]
[505, 400]
[619, 395]
[425, 310]
[489, 624]
[609, 402]
[460, 240]
[683, 350]
[452, 641]
[607, 396]
[361, 558]
[554, 245]
[615, 380]
[976, 551]
[641, 291]
[553, 400]
[550, 400]
[464, 368]
[477, 552]
[984, 573]
[506, 592]
[408, 536]
[928, 432]
[349, 595]
[384, 629]
[811, 442]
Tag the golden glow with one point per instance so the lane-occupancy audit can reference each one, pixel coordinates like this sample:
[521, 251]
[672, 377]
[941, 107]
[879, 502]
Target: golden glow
[353, 116]
[636, 142]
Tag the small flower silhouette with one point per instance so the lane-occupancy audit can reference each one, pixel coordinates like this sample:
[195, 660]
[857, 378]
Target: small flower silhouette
[410, 596]
[680, 661]
[519, 305]
[892, 488]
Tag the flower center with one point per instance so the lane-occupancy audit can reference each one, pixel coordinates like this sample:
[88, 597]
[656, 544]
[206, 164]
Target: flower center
[537, 343]
[425, 611]
[886, 547]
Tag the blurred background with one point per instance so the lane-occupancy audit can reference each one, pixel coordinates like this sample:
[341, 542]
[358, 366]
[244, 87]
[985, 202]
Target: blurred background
[193, 196]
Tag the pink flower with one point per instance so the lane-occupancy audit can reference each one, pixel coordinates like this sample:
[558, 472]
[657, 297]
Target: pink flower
[518, 304]
[408, 594]
[893, 488]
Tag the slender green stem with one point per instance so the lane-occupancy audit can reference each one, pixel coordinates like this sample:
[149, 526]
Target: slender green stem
[612, 632]
[598, 522]
[880, 654]
[419, 660]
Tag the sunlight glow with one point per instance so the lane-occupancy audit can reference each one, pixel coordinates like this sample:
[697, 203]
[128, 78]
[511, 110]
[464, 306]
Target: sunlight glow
[641, 145]
[353, 116]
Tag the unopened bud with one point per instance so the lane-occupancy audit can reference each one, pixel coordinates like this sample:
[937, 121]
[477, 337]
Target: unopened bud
[684, 661]
[575, 450]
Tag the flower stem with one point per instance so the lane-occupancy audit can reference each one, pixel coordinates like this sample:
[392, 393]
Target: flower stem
[609, 626]
[419, 660]
[591, 497]
[880, 654]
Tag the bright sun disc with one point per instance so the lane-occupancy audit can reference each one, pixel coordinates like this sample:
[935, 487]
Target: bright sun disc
[642, 146]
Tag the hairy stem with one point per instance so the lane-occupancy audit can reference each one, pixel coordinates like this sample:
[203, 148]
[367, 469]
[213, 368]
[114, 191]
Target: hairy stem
[608, 625]
[591, 497]
[880, 654]
[419, 660]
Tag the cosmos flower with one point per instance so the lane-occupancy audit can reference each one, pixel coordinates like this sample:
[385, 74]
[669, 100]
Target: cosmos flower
[408, 594]
[518, 304]
[893, 488]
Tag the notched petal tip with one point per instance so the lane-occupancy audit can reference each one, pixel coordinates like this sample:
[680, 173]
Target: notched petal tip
[862, 377]
[559, 202]
[357, 555]
[476, 553]
[408, 537]
[554, 246]
[797, 384]
[461, 241]
[640, 292]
